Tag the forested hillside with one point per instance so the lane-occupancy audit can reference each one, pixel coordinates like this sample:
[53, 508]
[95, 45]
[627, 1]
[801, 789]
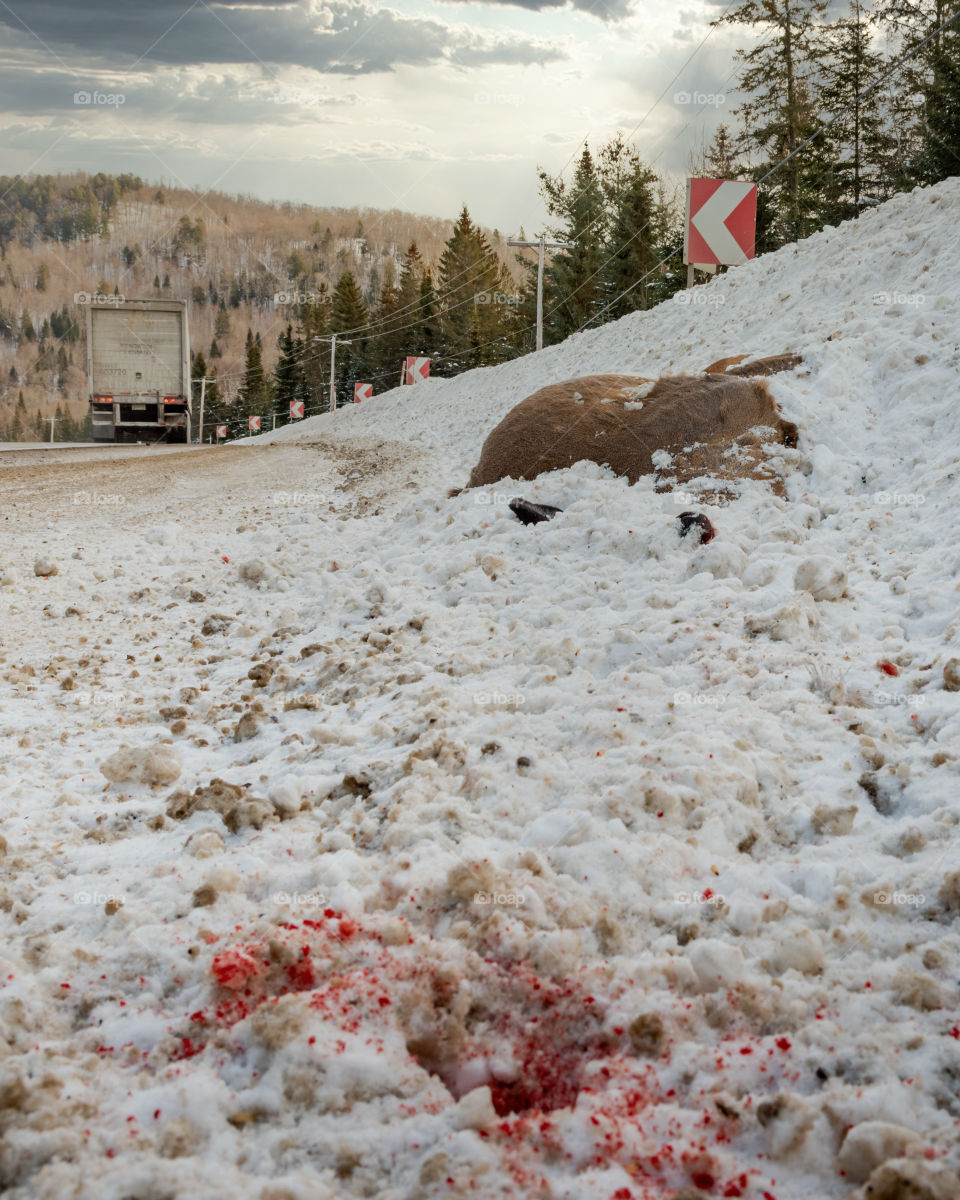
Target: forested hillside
[835, 114]
[63, 237]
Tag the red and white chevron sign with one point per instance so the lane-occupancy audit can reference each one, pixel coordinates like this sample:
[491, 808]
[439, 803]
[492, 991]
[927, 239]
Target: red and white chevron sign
[363, 391]
[296, 410]
[721, 223]
[417, 369]
[254, 423]
[221, 431]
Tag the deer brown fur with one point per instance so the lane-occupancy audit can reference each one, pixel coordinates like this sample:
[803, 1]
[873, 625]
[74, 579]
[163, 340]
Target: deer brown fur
[712, 423]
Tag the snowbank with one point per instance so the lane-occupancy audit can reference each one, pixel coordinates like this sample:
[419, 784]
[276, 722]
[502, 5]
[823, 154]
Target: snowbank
[570, 860]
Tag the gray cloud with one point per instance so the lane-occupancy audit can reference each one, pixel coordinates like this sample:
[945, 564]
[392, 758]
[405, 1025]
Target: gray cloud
[331, 36]
[604, 10]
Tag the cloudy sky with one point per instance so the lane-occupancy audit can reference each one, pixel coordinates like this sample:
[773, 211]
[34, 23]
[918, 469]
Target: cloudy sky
[415, 104]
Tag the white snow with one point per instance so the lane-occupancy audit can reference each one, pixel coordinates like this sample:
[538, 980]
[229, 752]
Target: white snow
[655, 844]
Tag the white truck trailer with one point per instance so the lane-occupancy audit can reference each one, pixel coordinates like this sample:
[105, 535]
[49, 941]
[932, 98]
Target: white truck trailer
[138, 363]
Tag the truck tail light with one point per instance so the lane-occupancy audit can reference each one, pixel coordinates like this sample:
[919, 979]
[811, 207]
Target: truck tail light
[171, 399]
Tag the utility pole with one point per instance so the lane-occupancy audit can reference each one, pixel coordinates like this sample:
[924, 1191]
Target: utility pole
[332, 338]
[51, 420]
[540, 245]
[203, 391]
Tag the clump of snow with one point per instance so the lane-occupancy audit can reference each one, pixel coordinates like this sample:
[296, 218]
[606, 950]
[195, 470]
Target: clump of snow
[252, 572]
[152, 765]
[872, 1143]
[824, 578]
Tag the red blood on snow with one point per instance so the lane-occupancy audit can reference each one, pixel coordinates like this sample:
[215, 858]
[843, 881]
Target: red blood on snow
[235, 968]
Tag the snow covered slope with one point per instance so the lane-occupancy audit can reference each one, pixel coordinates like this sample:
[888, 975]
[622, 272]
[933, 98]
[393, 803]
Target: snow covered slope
[451, 857]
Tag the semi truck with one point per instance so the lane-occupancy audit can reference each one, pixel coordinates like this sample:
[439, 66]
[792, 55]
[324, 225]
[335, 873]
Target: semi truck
[138, 365]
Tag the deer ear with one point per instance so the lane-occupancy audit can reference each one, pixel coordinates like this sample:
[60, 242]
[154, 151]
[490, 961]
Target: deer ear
[720, 366]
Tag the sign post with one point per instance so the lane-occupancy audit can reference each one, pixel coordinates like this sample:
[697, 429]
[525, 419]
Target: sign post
[416, 369]
[721, 224]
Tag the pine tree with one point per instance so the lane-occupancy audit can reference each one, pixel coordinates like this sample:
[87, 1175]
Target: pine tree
[388, 344]
[348, 316]
[215, 351]
[636, 232]
[858, 131]
[254, 394]
[779, 114]
[289, 381]
[471, 282]
[427, 331]
[198, 371]
[67, 427]
[720, 158]
[524, 317]
[315, 325]
[573, 276]
[941, 153]
[925, 93]
[214, 407]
